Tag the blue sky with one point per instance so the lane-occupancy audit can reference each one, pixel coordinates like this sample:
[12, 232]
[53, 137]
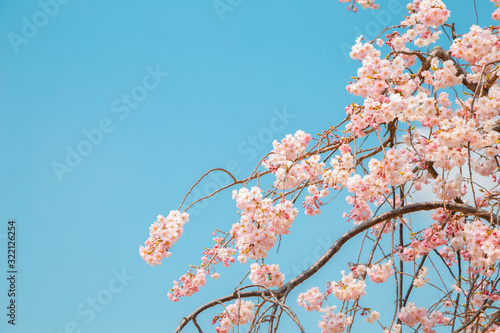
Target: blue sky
[111, 110]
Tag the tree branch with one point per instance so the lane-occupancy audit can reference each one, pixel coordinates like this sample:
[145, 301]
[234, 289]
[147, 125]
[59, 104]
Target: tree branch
[431, 205]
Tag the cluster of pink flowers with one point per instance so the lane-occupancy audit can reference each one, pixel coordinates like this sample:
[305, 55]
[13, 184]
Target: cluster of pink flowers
[494, 328]
[460, 134]
[434, 236]
[437, 317]
[478, 299]
[266, 275]
[349, 288]
[428, 12]
[283, 162]
[374, 77]
[163, 233]
[372, 317]
[333, 322]
[363, 3]
[442, 77]
[496, 13]
[449, 147]
[425, 14]
[479, 244]
[358, 270]
[219, 253]
[312, 299]
[393, 170]
[191, 283]
[440, 155]
[479, 47]
[420, 281]
[380, 273]
[448, 255]
[290, 175]
[290, 148]
[449, 190]
[410, 315]
[362, 51]
[241, 312]
[342, 167]
[459, 131]
[260, 223]
[312, 202]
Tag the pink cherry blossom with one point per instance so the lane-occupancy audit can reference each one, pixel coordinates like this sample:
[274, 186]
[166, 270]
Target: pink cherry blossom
[312, 299]
[268, 276]
[163, 233]
[241, 312]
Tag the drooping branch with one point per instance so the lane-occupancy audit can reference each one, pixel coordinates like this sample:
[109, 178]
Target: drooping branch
[201, 178]
[337, 245]
[424, 206]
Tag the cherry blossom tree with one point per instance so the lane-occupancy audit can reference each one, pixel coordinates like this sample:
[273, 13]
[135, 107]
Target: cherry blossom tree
[427, 123]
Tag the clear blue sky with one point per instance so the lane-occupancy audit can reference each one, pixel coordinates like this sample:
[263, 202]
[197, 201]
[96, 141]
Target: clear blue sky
[111, 110]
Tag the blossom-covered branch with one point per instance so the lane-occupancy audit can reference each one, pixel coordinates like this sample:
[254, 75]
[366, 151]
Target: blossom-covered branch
[412, 144]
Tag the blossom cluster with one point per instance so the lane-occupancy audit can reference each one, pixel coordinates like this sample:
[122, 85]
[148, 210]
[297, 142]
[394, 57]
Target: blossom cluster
[479, 244]
[433, 237]
[372, 317]
[410, 315]
[444, 77]
[282, 161]
[394, 169]
[496, 14]
[424, 15]
[380, 273]
[349, 288]
[190, 284]
[363, 3]
[479, 47]
[241, 312]
[260, 223]
[163, 233]
[220, 252]
[420, 281]
[341, 168]
[448, 190]
[312, 202]
[312, 299]
[333, 322]
[266, 275]
[455, 134]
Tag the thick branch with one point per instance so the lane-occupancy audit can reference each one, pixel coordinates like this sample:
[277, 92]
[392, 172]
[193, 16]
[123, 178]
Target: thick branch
[442, 55]
[467, 210]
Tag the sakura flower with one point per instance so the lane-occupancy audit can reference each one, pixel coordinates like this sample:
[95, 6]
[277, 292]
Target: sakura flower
[372, 317]
[266, 275]
[240, 312]
[311, 299]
